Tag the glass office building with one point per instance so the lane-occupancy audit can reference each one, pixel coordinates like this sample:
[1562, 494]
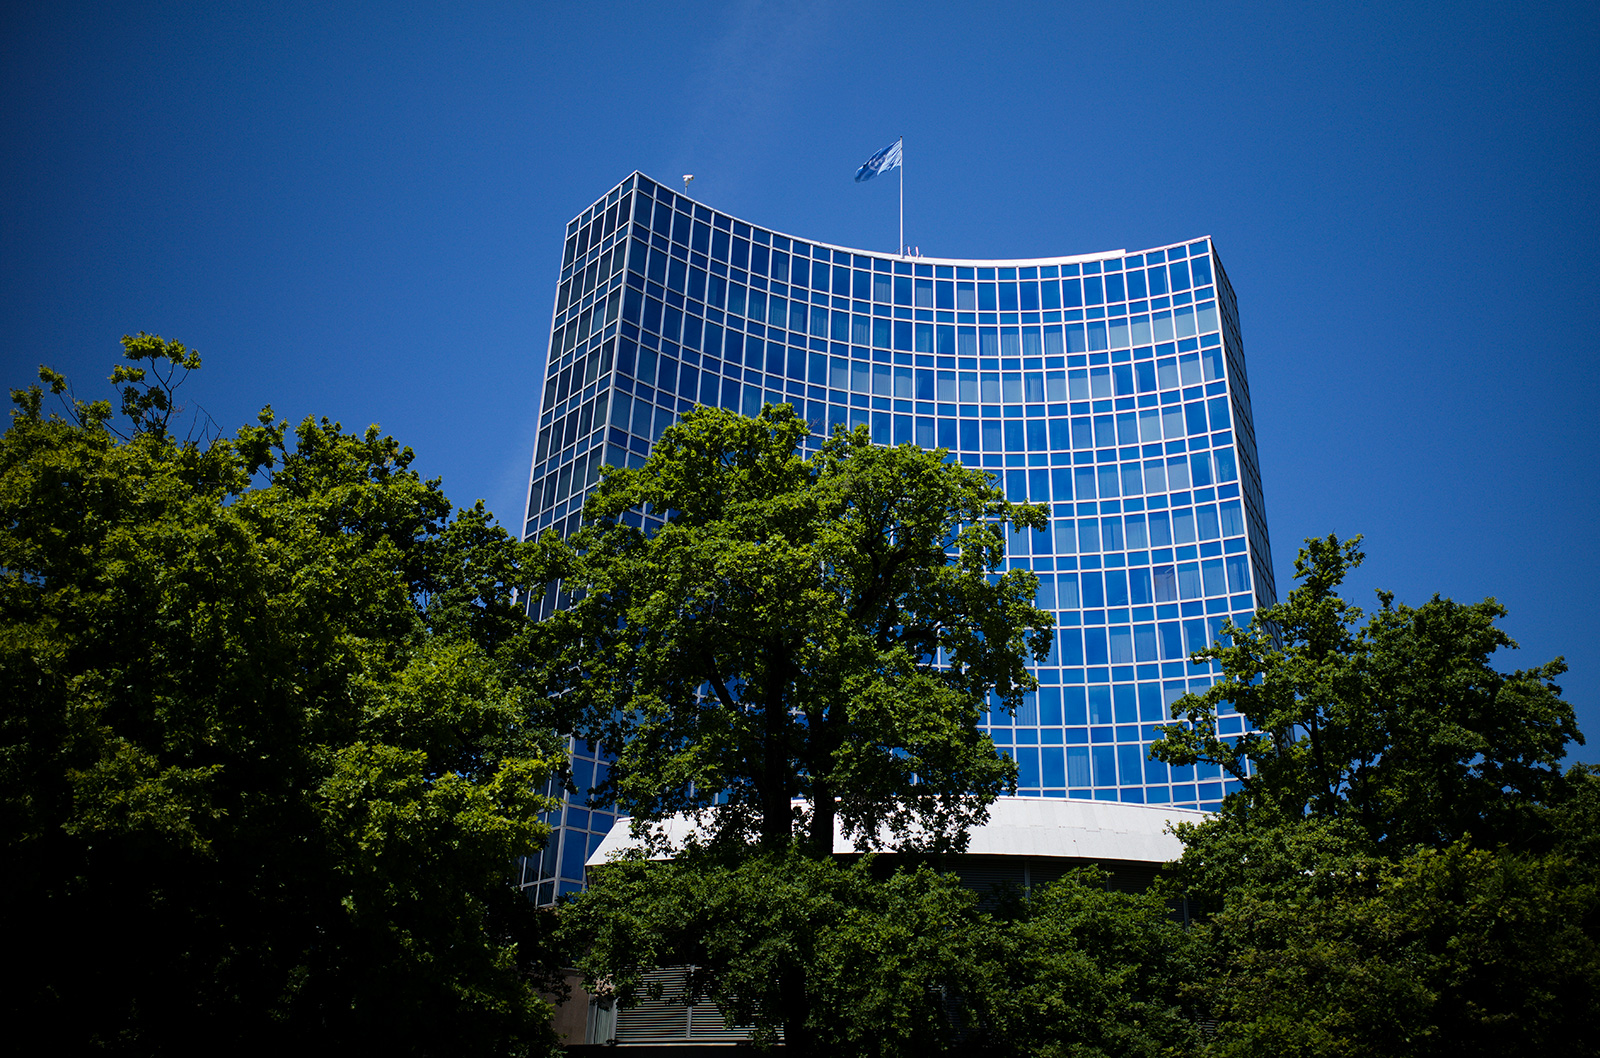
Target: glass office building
[1109, 385]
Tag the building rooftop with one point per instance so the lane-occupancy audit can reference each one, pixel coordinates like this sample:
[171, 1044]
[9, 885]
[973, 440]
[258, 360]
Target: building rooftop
[1043, 827]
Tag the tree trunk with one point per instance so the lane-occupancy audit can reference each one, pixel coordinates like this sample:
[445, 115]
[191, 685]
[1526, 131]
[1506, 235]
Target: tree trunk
[799, 1041]
[824, 809]
[777, 819]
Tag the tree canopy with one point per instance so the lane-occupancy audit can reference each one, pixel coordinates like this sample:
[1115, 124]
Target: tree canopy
[825, 628]
[854, 958]
[266, 750]
[1399, 725]
[1405, 871]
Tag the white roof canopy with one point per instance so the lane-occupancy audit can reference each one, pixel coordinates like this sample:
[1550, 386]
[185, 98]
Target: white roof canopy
[1049, 827]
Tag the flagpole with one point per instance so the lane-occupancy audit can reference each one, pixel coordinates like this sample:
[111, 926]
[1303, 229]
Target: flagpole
[902, 168]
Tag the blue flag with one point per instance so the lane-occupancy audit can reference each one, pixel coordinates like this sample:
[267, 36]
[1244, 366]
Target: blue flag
[882, 162]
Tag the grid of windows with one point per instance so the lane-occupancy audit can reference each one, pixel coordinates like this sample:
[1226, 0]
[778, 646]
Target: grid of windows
[1109, 386]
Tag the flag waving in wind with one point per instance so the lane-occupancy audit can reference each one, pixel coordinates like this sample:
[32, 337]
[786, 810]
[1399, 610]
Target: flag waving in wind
[882, 162]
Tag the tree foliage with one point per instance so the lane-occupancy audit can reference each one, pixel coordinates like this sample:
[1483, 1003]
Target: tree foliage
[266, 753]
[1399, 725]
[1405, 870]
[816, 952]
[1318, 946]
[850, 958]
[1075, 969]
[795, 629]
[799, 642]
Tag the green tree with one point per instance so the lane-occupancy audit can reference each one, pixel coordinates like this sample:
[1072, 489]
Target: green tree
[266, 755]
[894, 962]
[821, 953]
[1318, 947]
[799, 643]
[1399, 725]
[1074, 970]
[795, 629]
[1405, 870]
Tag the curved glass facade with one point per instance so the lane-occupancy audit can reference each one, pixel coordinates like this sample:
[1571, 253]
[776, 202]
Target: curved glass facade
[1111, 386]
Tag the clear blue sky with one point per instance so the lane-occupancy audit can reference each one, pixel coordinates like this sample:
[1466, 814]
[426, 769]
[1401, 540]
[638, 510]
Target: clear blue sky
[356, 210]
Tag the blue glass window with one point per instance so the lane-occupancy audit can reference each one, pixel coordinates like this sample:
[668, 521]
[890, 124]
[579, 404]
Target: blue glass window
[1099, 705]
[902, 290]
[1238, 572]
[1130, 763]
[1227, 470]
[1052, 771]
[1171, 637]
[1232, 518]
[1065, 534]
[1078, 766]
[1183, 525]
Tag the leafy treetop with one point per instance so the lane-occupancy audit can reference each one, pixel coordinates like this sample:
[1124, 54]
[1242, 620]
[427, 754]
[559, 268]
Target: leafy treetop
[1398, 726]
[266, 750]
[1405, 871]
[796, 629]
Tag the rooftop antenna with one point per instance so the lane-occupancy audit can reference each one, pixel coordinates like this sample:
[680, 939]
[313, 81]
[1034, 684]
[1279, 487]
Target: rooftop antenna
[688, 178]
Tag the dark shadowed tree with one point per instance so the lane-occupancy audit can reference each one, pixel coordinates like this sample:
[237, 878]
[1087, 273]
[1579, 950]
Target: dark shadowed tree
[897, 964]
[1074, 969]
[1405, 870]
[265, 756]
